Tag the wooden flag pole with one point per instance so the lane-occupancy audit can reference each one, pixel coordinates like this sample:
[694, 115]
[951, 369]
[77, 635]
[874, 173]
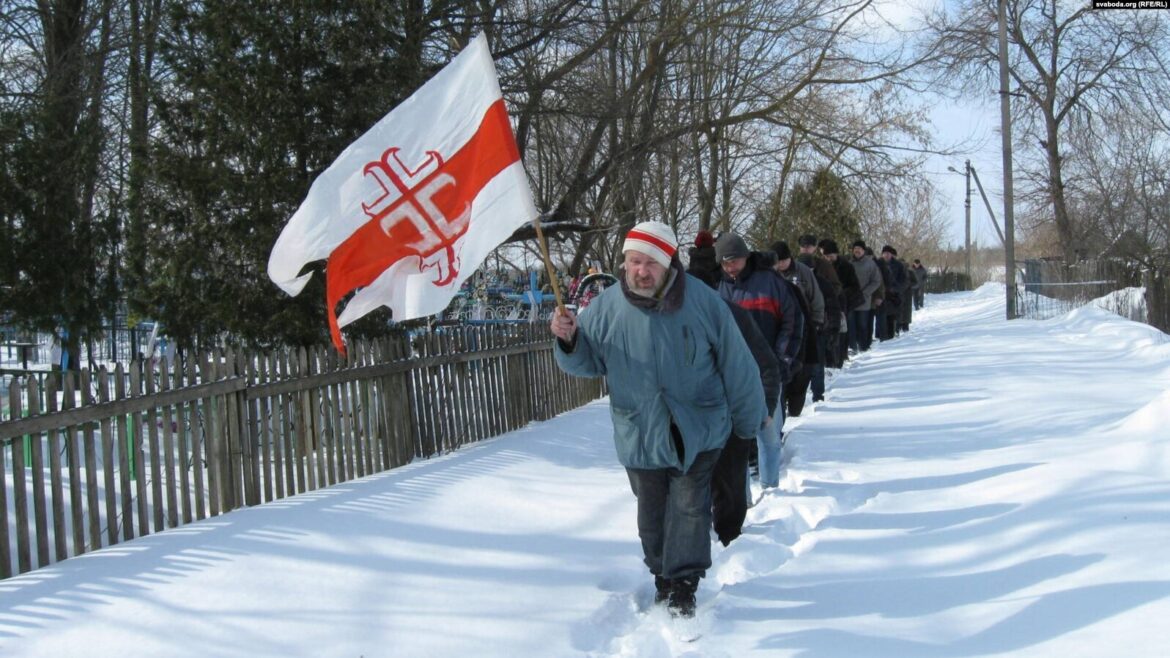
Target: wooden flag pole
[552, 273]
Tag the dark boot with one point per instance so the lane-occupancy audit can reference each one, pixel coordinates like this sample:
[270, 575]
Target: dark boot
[682, 596]
[661, 589]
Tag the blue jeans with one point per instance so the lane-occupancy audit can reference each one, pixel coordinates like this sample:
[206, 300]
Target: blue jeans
[674, 516]
[770, 442]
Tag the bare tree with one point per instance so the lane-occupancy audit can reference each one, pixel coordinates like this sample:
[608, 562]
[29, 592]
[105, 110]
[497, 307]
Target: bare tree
[1068, 63]
[1121, 189]
[689, 111]
[909, 217]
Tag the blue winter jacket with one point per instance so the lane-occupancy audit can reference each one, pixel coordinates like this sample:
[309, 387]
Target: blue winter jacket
[762, 292]
[686, 365]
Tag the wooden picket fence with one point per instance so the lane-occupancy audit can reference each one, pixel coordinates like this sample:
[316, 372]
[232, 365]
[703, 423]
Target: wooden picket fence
[144, 448]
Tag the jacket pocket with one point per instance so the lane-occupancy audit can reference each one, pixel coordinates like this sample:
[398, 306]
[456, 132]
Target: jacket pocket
[626, 436]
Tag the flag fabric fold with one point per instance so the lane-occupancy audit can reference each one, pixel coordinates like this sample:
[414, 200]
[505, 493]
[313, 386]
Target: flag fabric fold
[408, 212]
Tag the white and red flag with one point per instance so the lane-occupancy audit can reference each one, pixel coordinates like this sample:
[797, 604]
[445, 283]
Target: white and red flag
[410, 210]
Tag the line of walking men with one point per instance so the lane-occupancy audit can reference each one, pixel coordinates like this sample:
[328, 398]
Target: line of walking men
[844, 303]
[880, 295]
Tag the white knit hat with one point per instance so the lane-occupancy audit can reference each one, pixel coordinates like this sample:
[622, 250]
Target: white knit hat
[654, 239]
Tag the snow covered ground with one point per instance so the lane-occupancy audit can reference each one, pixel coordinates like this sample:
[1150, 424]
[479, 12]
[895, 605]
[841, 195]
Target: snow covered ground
[977, 487]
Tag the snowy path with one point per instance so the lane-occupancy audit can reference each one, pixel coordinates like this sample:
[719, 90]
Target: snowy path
[974, 488]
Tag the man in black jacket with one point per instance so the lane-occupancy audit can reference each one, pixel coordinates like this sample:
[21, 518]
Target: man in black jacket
[850, 292]
[803, 284]
[830, 287]
[897, 292]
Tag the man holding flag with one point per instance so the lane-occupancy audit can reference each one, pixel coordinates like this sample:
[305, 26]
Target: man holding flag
[408, 212]
[681, 379]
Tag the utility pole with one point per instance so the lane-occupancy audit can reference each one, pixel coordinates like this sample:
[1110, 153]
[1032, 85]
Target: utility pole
[1005, 120]
[967, 222]
[967, 226]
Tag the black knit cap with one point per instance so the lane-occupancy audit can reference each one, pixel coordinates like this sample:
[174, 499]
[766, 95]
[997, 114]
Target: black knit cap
[890, 250]
[807, 240]
[828, 246]
[859, 243]
[782, 250]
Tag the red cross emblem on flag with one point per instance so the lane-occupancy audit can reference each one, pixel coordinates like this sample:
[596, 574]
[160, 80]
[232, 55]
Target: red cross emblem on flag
[422, 212]
[437, 228]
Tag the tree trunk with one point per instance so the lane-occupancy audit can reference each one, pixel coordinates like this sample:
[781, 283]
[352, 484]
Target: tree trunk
[143, 32]
[1064, 228]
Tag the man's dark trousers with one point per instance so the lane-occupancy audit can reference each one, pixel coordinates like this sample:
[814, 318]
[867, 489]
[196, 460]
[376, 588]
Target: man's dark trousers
[674, 516]
[729, 487]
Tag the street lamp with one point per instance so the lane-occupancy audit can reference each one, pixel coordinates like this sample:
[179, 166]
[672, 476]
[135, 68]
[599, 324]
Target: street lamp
[967, 212]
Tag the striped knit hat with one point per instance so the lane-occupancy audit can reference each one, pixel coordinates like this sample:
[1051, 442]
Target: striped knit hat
[654, 239]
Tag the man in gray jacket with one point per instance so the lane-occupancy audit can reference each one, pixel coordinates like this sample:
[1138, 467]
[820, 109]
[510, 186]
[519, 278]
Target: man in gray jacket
[681, 380]
[870, 279]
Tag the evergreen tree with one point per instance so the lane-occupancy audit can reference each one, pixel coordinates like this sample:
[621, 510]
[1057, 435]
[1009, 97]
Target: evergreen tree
[824, 207]
[768, 225]
[58, 229]
[13, 204]
[263, 95]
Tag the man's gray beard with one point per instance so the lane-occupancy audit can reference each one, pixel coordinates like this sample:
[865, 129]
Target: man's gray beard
[652, 292]
[641, 292]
